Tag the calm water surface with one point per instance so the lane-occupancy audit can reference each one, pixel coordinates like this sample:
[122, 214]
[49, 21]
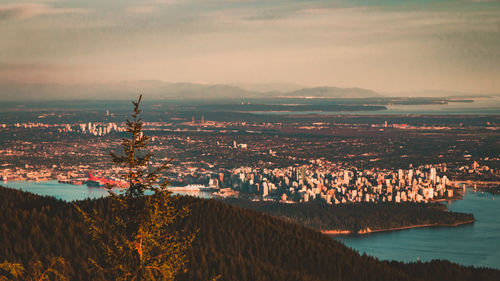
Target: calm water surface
[70, 192]
[476, 244]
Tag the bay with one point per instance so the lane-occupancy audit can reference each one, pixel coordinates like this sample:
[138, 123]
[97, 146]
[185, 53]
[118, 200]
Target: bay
[476, 244]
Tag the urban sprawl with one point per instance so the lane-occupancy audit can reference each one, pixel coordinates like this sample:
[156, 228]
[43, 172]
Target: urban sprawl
[306, 180]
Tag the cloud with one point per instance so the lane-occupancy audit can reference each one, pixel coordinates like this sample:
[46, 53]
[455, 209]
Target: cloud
[446, 45]
[31, 10]
[149, 7]
[143, 9]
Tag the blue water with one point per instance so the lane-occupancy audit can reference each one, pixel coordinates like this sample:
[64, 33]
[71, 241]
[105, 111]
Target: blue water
[476, 244]
[70, 192]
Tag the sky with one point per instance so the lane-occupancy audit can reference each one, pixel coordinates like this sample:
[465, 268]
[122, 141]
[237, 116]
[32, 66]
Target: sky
[383, 45]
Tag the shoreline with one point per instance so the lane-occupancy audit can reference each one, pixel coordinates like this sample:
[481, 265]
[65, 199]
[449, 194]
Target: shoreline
[369, 230]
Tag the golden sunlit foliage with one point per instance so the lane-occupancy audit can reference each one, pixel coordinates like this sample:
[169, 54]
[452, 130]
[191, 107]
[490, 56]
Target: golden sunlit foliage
[135, 239]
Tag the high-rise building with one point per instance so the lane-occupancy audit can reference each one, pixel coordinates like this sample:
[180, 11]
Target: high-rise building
[346, 177]
[433, 175]
[265, 189]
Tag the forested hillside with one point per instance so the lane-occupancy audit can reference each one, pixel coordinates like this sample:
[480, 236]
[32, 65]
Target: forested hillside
[231, 242]
[359, 216]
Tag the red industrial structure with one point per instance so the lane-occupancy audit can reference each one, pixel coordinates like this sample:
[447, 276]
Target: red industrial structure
[100, 181]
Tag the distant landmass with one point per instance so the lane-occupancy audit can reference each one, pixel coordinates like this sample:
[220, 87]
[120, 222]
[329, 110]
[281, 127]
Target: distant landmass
[179, 91]
[440, 94]
[269, 87]
[159, 90]
[333, 92]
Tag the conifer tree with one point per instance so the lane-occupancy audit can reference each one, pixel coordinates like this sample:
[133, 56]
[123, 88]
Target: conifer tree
[136, 237]
[36, 270]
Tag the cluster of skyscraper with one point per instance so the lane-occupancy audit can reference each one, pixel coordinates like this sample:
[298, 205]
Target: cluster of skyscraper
[333, 184]
[96, 129]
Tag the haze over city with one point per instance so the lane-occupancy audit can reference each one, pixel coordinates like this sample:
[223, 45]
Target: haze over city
[385, 46]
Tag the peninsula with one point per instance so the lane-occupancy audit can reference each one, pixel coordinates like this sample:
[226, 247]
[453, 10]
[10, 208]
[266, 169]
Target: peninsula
[359, 218]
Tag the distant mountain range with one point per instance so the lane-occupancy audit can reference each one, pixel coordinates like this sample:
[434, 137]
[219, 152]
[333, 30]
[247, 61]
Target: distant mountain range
[157, 90]
[333, 92]
[178, 91]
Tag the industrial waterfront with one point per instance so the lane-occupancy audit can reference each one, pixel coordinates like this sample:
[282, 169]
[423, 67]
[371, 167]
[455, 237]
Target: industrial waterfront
[70, 192]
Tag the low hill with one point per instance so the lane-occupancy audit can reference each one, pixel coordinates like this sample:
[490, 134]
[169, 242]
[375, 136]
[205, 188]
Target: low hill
[119, 91]
[334, 92]
[233, 243]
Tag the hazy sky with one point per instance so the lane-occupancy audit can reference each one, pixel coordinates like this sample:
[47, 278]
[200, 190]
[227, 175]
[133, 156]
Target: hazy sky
[387, 45]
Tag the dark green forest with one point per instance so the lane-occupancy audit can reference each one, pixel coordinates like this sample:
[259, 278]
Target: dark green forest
[358, 216]
[235, 243]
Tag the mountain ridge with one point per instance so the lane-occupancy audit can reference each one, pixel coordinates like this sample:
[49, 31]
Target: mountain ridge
[230, 242]
[157, 89]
